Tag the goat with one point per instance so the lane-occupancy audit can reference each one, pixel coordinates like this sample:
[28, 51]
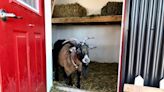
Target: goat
[71, 56]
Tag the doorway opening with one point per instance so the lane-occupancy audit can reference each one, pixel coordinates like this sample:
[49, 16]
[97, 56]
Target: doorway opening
[105, 31]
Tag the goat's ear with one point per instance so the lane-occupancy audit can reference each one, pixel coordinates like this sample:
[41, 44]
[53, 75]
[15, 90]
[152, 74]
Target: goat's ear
[87, 38]
[72, 49]
[91, 37]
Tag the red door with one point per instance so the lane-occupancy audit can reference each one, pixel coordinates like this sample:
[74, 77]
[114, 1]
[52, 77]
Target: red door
[22, 46]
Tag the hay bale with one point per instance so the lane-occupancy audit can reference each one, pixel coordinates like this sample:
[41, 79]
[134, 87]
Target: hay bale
[69, 10]
[112, 8]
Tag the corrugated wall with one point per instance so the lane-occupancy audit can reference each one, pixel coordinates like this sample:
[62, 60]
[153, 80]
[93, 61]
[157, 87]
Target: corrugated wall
[143, 52]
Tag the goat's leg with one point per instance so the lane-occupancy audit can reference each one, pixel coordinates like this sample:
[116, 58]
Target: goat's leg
[68, 79]
[56, 73]
[78, 79]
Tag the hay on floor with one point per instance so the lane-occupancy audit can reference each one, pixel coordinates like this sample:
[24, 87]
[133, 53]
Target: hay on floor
[112, 8]
[102, 77]
[69, 10]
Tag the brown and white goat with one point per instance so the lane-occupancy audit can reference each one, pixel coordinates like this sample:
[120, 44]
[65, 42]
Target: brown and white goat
[73, 57]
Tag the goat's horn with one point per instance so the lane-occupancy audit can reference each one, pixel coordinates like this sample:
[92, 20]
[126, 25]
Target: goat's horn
[94, 47]
[88, 38]
[65, 41]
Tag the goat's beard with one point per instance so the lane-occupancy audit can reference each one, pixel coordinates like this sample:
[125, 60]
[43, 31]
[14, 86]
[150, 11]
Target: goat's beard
[85, 71]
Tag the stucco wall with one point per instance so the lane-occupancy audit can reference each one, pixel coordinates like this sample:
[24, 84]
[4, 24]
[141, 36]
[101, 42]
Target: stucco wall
[107, 39]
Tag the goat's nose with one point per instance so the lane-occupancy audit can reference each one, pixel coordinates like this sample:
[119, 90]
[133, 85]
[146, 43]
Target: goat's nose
[86, 60]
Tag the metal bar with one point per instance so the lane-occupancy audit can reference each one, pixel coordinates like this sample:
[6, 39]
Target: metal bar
[140, 37]
[162, 65]
[132, 39]
[162, 68]
[136, 20]
[126, 33]
[143, 38]
[158, 45]
[162, 29]
[148, 43]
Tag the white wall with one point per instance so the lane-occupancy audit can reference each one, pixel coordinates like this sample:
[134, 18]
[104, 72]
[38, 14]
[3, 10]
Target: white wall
[107, 39]
[92, 6]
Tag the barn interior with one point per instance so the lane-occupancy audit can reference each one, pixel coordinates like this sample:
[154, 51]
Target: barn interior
[92, 20]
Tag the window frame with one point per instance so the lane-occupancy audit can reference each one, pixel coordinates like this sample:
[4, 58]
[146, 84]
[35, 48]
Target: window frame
[36, 10]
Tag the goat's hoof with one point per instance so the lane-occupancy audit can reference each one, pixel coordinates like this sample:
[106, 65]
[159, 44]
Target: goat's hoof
[70, 84]
[78, 86]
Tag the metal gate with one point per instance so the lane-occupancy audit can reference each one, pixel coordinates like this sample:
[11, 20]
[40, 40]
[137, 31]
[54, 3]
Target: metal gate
[143, 44]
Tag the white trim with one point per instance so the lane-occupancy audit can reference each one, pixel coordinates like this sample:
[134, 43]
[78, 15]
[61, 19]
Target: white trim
[48, 39]
[161, 84]
[122, 30]
[139, 81]
[32, 8]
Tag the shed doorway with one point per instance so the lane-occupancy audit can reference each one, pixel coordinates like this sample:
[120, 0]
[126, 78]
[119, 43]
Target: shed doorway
[106, 31]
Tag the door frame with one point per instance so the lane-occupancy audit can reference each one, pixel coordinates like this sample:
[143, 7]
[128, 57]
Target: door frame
[48, 44]
[122, 46]
[48, 39]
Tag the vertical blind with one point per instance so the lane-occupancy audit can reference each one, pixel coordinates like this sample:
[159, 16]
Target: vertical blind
[143, 52]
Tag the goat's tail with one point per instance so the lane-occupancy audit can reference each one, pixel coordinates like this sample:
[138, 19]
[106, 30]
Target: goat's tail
[56, 49]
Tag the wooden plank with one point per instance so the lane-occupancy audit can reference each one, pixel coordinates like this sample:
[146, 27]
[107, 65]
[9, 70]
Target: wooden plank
[113, 18]
[69, 89]
[134, 88]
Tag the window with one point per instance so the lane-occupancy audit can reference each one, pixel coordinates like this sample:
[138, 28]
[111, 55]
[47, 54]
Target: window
[32, 4]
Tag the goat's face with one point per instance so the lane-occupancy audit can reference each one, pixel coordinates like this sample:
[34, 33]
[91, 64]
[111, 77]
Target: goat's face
[83, 54]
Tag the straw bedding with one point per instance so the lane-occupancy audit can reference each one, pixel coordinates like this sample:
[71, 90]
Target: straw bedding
[102, 77]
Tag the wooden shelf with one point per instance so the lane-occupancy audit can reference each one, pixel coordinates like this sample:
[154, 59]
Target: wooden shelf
[95, 19]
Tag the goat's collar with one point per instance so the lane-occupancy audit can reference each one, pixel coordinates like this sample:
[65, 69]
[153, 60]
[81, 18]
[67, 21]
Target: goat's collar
[75, 65]
[73, 50]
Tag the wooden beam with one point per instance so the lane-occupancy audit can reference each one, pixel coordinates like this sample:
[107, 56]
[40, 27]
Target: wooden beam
[69, 89]
[134, 88]
[113, 18]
